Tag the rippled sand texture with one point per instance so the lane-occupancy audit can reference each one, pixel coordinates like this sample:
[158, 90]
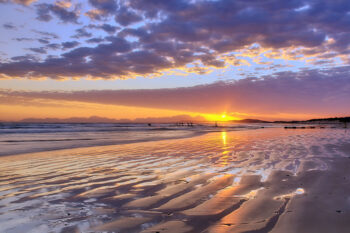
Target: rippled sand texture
[267, 180]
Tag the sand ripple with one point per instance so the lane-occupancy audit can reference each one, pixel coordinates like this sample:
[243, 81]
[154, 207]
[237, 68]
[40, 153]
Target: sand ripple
[243, 181]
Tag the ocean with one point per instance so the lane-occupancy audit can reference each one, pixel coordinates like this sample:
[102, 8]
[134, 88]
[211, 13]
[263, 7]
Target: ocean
[17, 138]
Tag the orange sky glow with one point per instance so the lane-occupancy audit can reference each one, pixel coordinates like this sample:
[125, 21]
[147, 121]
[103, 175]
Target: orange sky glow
[36, 108]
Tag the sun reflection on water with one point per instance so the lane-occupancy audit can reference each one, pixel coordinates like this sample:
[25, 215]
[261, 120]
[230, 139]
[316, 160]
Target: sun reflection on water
[224, 138]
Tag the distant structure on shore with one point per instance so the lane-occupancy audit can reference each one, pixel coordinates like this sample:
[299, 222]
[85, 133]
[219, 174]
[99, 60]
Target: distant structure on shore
[189, 124]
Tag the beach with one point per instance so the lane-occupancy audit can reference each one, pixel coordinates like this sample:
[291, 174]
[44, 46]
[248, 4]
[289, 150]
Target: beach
[254, 180]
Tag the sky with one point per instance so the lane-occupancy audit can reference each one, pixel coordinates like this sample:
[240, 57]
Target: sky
[213, 59]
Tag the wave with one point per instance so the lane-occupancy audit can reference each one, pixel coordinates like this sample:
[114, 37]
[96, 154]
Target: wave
[39, 128]
[50, 140]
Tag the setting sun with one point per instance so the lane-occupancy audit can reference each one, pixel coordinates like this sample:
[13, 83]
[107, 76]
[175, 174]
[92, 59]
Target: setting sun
[222, 117]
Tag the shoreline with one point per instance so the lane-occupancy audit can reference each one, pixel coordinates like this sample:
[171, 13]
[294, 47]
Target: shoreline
[193, 133]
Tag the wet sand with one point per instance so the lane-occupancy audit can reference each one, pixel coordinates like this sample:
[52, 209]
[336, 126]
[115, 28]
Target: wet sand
[265, 180]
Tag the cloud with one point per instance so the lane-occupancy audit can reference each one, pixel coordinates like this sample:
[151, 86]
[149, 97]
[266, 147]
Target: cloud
[41, 50]
[46, 34]
[22, 2]
[26, 57]
[23, 39]
[95, 14]
[109, 28]
[60, 10]
[105, 27]
[126, 17]
[102, 9]
[53, 46]
[104, 6]
[94, 40]
[178, 34]
[43, 12]
[43, 41]
[9, 26]
[64, 3]
[74, 63]
[307, 93]
[70, 44]
[81, 32]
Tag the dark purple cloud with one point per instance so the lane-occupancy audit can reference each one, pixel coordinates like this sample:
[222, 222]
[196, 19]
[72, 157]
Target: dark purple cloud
[126, 17]
[41, 50]
[109, 28]
[308, 92]
[44, 11]
[175, 33]
[94, 40]
[102, 8]
[9, 26]
[25, 58]
[109, 6]
[81, 32]
[53, 46]
[46, 34]
[105, 27]
[20, 39]
[43, 41]
[70, 44]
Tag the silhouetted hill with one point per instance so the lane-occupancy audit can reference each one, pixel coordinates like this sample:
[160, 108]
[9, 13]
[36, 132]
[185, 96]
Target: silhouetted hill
[333, 119]
[96, 119]
[320, 120]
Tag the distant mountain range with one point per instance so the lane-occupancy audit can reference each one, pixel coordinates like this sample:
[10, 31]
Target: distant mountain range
[96, 119]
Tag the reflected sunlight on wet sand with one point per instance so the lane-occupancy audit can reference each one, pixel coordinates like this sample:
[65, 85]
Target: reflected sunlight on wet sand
[263, 180]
